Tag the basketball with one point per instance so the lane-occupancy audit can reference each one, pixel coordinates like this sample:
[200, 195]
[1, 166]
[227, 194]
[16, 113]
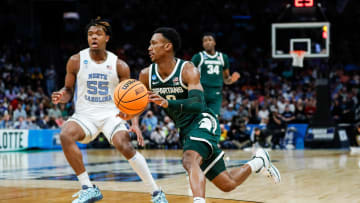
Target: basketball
[130, 96]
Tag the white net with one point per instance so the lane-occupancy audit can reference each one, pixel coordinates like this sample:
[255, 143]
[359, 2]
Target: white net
[298, 58]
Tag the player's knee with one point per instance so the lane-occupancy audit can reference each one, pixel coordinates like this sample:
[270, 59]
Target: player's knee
[68, 135]
[121, 141]
[190, 160]
[186, 164]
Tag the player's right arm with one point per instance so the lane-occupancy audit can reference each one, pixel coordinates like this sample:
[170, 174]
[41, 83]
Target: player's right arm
[66, 93]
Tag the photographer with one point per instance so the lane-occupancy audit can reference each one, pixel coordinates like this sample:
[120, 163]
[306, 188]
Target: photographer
[158, 136]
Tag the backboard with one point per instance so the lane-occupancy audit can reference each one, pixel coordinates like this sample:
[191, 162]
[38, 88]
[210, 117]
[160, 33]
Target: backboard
[311, 37]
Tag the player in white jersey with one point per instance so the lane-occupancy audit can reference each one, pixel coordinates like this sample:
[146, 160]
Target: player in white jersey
[91, 77]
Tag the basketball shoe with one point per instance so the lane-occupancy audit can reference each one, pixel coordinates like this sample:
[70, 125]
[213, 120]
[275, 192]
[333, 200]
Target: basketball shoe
[88, 195]
[268, 168]
[159, 197]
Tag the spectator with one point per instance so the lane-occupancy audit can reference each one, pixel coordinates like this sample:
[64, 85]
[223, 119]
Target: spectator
[158, 136]
[21, 123]
[6, 122]
[43, 122]
[50, 75]
[31, 121]
[336, 111]
[263, 114]
[310, 108]
[287, 116]
[300, 112]
[19, 111]
[229, 112]
[150, 121]
[64, 111]
[276, 128]
[40, 112]
[54, 111]
[172, 140]
[243, 113]
[260, 138]
[59, 121]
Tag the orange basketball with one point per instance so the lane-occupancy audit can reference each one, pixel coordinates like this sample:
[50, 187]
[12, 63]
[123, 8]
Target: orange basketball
[130, 96]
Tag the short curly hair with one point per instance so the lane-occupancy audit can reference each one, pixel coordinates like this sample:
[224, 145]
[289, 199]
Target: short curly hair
[100, 22]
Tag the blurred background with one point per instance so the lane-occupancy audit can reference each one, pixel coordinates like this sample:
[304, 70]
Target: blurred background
[273, 104]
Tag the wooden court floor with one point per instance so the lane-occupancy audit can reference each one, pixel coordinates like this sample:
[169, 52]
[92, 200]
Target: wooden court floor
[307, 176]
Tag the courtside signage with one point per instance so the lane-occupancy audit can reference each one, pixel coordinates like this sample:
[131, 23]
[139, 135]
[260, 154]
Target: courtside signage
[13, 140]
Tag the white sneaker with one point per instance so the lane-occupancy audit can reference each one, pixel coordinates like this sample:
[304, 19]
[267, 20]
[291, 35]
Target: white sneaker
[265, 157]
[268, 169]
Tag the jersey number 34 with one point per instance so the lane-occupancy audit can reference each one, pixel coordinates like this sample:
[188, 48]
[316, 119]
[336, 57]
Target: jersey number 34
[211, 69]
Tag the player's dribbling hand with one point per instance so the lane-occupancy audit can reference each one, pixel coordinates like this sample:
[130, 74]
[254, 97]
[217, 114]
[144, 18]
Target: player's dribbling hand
[157, 99]
[56, 96]
[235, 76]
[137, 131]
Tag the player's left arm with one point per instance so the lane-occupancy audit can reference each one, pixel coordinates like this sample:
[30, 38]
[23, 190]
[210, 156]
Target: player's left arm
[229, 79]
[123, 72]
[195, 103]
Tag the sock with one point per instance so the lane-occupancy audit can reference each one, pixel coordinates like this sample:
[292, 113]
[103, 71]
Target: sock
[84, 179]
[138, 163]
[199, 200]
[255, 164]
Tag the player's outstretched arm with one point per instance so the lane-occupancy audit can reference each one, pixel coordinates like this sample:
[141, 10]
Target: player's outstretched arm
[65, 94]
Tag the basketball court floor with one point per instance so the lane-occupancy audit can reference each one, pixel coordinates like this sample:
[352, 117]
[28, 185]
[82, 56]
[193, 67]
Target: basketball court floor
[307, 176]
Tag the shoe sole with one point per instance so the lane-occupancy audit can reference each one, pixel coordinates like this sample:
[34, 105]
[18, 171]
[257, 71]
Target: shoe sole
[95, 199]
[276, 173]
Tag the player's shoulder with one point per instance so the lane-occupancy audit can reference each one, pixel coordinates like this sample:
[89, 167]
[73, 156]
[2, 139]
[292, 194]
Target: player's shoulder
[198, 54]
[75, 57]
[145, 71]
[121, 63]
[223, 54]
[189, 67]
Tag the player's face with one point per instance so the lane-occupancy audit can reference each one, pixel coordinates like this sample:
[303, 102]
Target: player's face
[209, 43]
[158, 46]
[97, 38]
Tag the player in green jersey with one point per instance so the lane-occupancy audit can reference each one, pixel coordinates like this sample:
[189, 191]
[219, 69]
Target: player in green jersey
[214, 71]
[174, 84]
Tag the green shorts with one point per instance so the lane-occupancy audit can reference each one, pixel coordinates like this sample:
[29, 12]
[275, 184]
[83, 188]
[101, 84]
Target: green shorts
[213, 98]
[203, 137]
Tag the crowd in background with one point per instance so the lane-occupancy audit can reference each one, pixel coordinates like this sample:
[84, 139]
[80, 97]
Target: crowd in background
[270, 92]
[274, 95]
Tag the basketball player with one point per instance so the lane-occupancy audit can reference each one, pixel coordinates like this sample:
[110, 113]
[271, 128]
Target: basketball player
[214, 71]
[175, 86]
[91, 77]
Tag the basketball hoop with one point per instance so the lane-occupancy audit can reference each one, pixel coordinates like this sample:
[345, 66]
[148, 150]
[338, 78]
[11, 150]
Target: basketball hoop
[298, 57]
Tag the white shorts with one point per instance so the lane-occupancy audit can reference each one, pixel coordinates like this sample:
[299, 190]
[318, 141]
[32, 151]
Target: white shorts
[93, 125]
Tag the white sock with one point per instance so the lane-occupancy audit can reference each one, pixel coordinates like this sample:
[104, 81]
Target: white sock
[138, 163]
[199, 200]
[255, 164]
[84, 179]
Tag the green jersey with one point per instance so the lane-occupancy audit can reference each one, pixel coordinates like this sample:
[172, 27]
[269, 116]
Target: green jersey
[211, 67]
[171, 88]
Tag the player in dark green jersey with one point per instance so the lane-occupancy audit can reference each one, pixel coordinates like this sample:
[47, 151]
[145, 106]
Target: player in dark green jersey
[214, 71]
[175, 86]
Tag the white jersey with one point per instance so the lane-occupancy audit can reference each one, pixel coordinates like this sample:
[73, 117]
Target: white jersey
[95, 85]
